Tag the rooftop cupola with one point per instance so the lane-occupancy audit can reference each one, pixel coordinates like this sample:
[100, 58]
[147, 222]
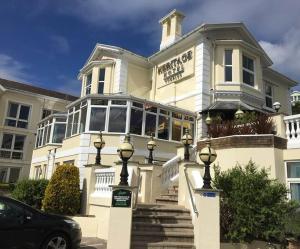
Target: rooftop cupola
[171, 28]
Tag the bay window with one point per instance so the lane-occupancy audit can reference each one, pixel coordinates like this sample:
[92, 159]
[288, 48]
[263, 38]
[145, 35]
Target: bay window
[248, 70]
[97, 118]
[12, 146]
[136, 120]
[117, 119]
[17, 115]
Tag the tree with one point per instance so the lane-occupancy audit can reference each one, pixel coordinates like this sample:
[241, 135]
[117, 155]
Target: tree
[252, 205]
[30, 192]
[62, 195]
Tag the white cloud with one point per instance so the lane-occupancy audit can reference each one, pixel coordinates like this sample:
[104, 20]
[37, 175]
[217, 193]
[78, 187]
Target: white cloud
[12, 69]
[60, 43]
[285, 53]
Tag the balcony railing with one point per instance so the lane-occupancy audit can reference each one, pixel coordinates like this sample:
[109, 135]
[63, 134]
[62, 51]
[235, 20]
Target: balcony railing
[104, 178]
[292, 128]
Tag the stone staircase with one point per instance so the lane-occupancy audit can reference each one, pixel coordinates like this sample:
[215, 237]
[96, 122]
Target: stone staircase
[163, 225]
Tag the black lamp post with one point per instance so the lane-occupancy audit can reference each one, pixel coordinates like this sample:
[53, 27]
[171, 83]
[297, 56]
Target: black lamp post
[187, 140]
[239, 114]
[125, 152]
[99, 144]
[207, 155]
[151, 146]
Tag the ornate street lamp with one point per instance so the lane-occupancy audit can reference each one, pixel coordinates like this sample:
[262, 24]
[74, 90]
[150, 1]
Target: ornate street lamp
[276, 106]
[125, 151]
[99, 144]
[151, 146]
[207, 155]
[187, 140]
[208, 122]
[239, 114]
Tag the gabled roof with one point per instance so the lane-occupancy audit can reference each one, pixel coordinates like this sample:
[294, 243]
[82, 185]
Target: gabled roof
[282, 77]
[13, 85]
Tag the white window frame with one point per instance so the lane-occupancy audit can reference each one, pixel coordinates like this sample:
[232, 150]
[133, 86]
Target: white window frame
[18, 114]
[228, 65]
[248, 70]
[11, 150]
[290, 180]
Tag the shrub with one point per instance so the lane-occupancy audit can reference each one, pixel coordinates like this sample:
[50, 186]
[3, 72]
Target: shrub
[30, 192]
[292, 225]
[62, 195]
[252, 205]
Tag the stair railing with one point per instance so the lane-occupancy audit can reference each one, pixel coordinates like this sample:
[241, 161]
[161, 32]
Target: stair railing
[190, 187]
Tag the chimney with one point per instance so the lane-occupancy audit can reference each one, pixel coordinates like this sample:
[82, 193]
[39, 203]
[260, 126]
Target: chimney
[171, 28]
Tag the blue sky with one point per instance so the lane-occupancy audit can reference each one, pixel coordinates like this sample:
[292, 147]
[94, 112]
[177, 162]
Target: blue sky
[46, 42]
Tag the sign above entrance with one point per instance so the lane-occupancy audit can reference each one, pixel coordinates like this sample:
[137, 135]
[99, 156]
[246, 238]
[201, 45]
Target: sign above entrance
[177, 68]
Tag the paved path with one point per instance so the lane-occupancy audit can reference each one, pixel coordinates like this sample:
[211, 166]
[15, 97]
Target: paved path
[92, 243]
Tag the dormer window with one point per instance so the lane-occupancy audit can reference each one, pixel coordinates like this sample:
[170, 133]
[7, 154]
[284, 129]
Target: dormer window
[248, 71]
[228, 65]
[88, 84]
[101, 80]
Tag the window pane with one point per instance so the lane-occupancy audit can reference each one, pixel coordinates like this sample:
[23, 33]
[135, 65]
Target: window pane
[60, 119]
[97, 121]
[139, 105]
[248, 63]
[228, 73]
[45, 135]
[248, 78]
[150, 108]
[24, 112]
[118, 102]
[5, 154]
[10, 122]
[58, 133]
[136, 121]
[7, 141]
[228, 57]
[69, 125]
[12, 110]
[89, 79]
[295, 191]
[99, 102]
[17, 155]
[176, 130]
[102, 74]
[3, 172]
[117, 119]
[19, 142]
[22, 124]
[268, 90]
[46, 113]
[150, 124]
[82, 119]
[75, 123]
[293, 170]
[163, 127]
[100, 88]
[14, 175]
[269, 102]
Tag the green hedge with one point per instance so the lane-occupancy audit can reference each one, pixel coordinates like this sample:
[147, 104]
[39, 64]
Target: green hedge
[253, 207]
[63, 194]
[30, 192]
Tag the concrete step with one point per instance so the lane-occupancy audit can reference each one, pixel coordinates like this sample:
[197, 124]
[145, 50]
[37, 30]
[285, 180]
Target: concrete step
[173, 190]
[162, 219]
[163, 200]
[156, 227]
[151, 236]
[162, 245]
[170, 196]
[161, 209]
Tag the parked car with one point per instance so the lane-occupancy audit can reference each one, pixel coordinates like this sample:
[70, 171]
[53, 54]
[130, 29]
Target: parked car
[23, 227]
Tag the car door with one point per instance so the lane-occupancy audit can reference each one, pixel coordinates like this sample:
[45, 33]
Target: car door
[11, 217]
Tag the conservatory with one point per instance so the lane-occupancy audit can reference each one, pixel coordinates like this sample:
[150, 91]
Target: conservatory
[115, 114]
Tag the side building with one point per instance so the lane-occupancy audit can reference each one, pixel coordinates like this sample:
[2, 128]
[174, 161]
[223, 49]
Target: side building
[22, 107]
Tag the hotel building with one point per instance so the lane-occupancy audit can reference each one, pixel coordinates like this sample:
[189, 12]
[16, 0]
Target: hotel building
[216, 67]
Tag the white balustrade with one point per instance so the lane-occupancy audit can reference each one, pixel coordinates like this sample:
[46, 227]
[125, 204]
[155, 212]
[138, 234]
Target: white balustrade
[104, 178]
[292, 126]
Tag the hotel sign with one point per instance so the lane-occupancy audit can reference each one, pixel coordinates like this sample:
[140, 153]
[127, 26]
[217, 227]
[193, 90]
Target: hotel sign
[177, 68]
[121, 198]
